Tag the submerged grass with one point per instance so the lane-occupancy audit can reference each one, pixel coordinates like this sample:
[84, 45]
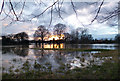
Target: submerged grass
[108, 70]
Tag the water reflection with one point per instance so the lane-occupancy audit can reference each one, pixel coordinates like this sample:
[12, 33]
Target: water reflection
[61, 45]
[55, 58]
[82, 46]
[21, 50]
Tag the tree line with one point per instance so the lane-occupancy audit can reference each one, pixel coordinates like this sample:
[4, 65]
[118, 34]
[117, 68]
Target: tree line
[75, 36]
[19, 38]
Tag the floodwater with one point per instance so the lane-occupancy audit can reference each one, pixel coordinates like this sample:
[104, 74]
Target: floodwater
[16, 55]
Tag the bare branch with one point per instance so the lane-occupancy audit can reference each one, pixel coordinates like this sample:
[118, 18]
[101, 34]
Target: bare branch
[22, 9]
[13, 10]
[2, 7]
[73, 7]
[46, 9]
[97, 12]
[8, 14]
[59, 11]
[51, 16]
[110, 16]
[76, 13]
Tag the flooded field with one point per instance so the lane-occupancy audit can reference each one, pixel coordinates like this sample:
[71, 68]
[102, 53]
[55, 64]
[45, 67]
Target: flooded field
[16, 58]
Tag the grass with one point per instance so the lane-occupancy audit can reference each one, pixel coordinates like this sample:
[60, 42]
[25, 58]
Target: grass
[108, 54]
[108, 70]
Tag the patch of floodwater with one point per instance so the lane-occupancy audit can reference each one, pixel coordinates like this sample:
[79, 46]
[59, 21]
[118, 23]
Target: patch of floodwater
[17, 57]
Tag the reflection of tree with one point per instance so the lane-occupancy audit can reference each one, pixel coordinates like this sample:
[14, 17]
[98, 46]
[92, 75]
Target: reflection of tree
[7, 50]
[18, 50]
[21, 50]
[54, 58]
[39, 53]
[82, 46]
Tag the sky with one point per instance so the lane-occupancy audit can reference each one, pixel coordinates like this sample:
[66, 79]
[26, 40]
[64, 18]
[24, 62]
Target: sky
[86, 12]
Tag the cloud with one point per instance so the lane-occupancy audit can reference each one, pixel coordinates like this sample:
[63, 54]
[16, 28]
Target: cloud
[86, 12]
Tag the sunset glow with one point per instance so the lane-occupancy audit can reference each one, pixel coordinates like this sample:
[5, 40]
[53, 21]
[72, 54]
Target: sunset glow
[56, 37]
[55, 45]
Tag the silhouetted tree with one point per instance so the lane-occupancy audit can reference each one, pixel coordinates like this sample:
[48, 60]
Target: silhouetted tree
[8, 39]
[41, 32]
[117, 38]
[21, 36]
[80, 35]
[75, 35]
[59, 29]
[67, 36]
[85, 37]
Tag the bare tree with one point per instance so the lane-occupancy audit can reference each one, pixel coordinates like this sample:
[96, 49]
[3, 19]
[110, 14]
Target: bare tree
[41, 32]
[59, 29]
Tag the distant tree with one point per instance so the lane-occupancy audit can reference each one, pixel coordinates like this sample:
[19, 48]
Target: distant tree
[72, 35]
[117, 38]
[84, 31]
[76, 34]
[85, 37]
[67, 36]
[8, 39]
[59, 29]
[21, 36]
[41, 32]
